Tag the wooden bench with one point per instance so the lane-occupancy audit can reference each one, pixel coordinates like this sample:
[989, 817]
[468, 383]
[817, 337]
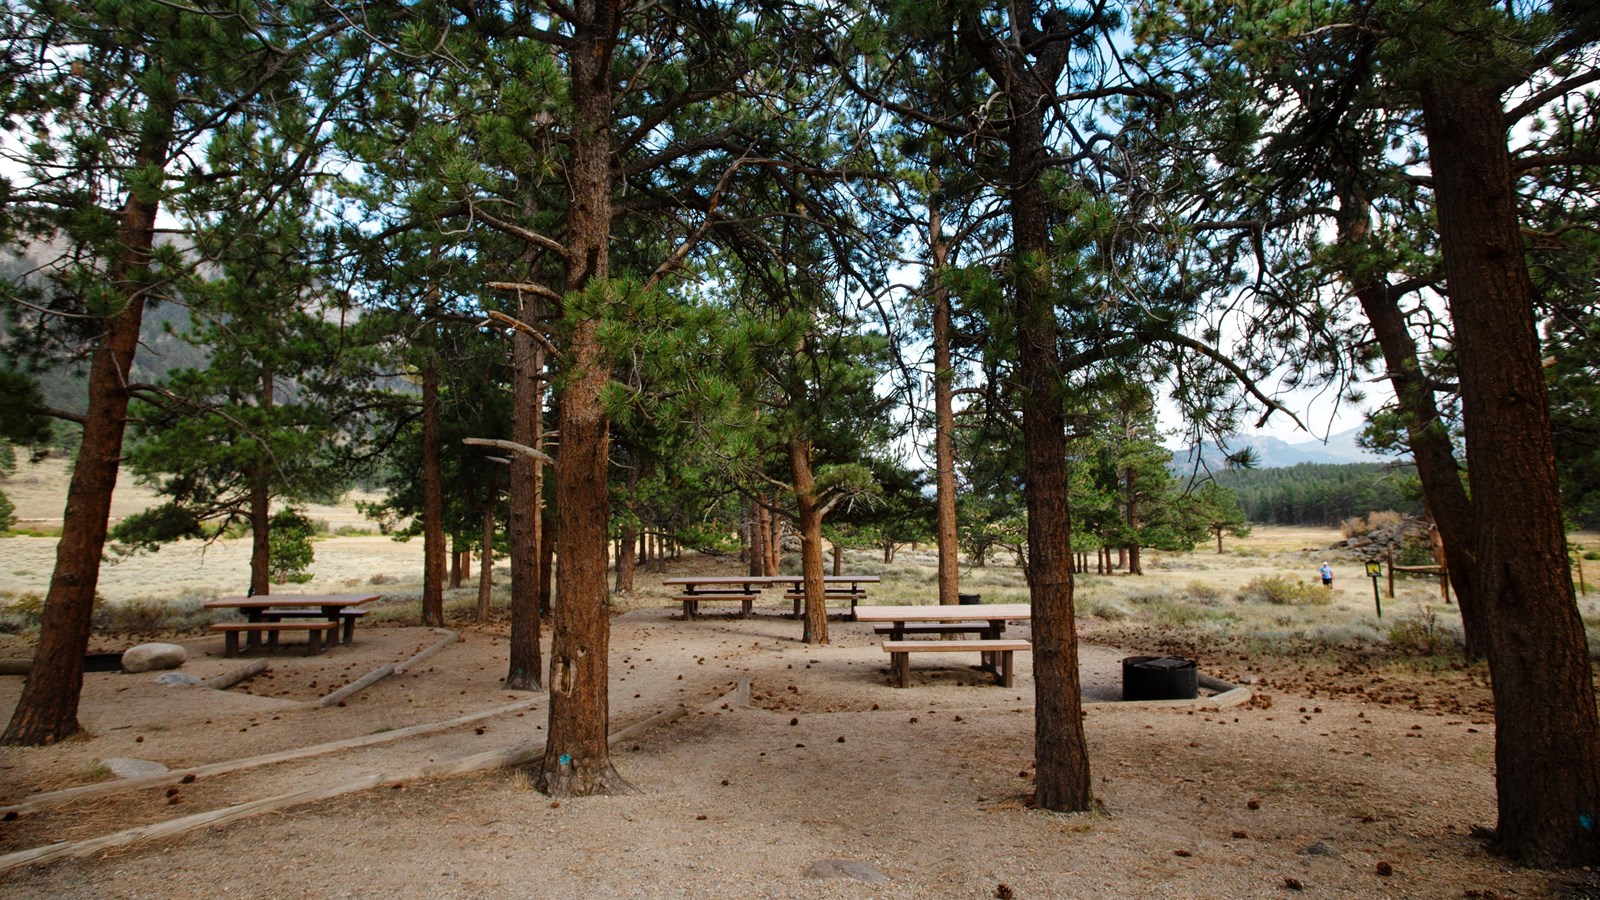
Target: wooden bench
[316, 632]
[997, 655]
[691, 602]
[347, 616]
[799, 598]
[931, 628]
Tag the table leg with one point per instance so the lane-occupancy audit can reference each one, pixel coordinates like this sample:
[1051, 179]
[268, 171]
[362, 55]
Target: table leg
[252, 639]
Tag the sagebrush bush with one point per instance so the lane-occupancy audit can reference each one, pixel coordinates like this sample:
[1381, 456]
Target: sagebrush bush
[1281, 590]
[1205, 593]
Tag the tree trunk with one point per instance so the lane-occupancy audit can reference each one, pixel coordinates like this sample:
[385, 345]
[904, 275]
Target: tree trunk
[456, 556]
[47, 710]
[547, 561]
[526, 665]
[433, 549]
[1426, 433]
[486, 564]
[1547, 758]
[577, 760]
[838, 560]
[260, 531]
[944, 423]
[625, 560]
[774, 540]
[1061, 755]
[809, 511]
[758, 546]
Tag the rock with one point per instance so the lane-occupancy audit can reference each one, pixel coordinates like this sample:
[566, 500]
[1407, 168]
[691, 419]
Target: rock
[125, 767]
[845, 868]
[170, 678]
[150, 657]
[1320, 848]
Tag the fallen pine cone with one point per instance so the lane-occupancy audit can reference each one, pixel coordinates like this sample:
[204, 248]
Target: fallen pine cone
[1384, 869]
[1293, 883]
[1003, 891]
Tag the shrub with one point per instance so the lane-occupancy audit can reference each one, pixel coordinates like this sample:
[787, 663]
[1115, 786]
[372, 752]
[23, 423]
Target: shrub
[290, 542]
[1102, 608]
[8, 513]
[1280, 590]
[1203, 592]
[1420, 635]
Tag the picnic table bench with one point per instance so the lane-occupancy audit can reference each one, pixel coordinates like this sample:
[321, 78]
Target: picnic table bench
[744, 589]
[315, 631]
[834, 587]
[319, 615]
[996, 655]
[988, 621]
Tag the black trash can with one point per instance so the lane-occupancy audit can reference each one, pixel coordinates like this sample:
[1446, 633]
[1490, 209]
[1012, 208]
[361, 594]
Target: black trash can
[970, 599]
[102, 662]
[1159, 678]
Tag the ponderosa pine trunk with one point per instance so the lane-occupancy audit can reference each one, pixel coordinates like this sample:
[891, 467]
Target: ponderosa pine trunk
[1547, 742]
[547, 563]
[809, 513]
[577, 760]
[260, 530]
[1061, 754]
[525, 668]
[758, 544]
[944, 422]
[433, 549]
[491, 491]
[47, 710]
[1426, 433]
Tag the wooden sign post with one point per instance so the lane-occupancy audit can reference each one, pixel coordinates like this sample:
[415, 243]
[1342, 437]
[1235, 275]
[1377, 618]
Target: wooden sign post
[1375, 569]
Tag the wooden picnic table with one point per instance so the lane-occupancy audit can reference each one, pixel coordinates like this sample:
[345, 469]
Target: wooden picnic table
[902, 618]
[830, 589]
[744, 588]
[988, 621]
[262, 611]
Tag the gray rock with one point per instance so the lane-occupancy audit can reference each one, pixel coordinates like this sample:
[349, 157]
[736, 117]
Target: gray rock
[176, 678]
[125, 767]
[1320, 848]
[150, 657]
[845, 868]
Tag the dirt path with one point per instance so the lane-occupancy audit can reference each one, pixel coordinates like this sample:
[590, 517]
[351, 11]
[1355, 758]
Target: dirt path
[924, 787]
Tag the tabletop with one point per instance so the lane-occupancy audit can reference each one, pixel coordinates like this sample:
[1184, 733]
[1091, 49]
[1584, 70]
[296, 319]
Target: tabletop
[944, 613]
[266, 600]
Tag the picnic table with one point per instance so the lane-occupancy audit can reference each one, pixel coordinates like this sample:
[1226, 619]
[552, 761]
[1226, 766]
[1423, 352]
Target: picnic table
[319, 615]
[988, 621]
[743, 588]
[832, 588]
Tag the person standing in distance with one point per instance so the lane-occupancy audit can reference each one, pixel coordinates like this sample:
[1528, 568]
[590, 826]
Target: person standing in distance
[1327, 576]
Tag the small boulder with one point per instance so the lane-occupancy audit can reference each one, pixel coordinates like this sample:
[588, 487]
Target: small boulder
[845, 868]
[150, 657]
[126, 767]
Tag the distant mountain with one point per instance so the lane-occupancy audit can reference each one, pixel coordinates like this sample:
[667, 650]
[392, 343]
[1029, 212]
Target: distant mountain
[1272, 452]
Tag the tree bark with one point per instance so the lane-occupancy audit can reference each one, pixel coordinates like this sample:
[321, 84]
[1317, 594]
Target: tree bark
[261, 510]
[758, 541]
[47, 710]
[260, 531]
[486, 564]
[809, 511]
[838, 560]
[547, 561]
[577, 760]
[433, 548]
[1061, 755]
[526, 664]
[944, 422]
[1426, 433]
[1547, 743]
